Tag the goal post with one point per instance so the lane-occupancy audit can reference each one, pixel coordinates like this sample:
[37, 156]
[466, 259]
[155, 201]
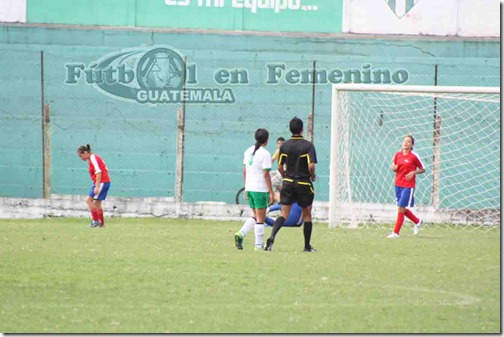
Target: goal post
[457, 136]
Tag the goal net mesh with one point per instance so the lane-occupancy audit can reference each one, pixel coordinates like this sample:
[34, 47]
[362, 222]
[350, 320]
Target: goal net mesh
[457, 136]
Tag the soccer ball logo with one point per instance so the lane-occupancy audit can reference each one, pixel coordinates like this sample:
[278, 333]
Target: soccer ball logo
[161, 68]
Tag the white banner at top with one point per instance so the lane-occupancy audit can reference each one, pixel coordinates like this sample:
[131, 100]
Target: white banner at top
[12, 10]
[423, 17]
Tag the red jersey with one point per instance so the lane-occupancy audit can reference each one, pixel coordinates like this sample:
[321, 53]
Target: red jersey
[97, 165]
[405, 164]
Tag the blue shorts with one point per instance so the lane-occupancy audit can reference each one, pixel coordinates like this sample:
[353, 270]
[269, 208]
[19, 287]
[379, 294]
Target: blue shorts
[104, 187]
[405, 196]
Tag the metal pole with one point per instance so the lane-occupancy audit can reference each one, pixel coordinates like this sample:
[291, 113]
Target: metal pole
[436, 153]
[179, 175]
[46, 135]
[311, 117]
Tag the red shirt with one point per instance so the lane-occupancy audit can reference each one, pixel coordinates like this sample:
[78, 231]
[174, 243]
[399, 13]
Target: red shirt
[405, 164]
[97, 165]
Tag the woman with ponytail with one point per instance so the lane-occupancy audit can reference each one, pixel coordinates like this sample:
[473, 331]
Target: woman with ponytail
[101, 184]
[258, 188]
[406, 165]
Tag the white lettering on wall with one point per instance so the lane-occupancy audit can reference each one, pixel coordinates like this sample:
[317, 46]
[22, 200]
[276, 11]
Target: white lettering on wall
[253, 5]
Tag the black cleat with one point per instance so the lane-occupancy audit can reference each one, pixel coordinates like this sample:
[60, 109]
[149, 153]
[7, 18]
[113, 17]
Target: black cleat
[269, 244]
[309, 249]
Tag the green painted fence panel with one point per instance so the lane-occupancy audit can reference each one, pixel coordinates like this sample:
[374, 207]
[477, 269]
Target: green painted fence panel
[20, 123]
[138, 141]
[323, 16]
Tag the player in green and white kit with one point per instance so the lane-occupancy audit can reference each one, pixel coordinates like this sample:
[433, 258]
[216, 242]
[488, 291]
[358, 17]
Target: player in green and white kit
[258, 188]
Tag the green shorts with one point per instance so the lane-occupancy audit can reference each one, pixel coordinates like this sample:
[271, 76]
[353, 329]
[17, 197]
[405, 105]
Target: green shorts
[258, 200]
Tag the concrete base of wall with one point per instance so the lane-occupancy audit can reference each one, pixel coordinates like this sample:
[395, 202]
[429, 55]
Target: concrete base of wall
[358, 213]
[75, 206]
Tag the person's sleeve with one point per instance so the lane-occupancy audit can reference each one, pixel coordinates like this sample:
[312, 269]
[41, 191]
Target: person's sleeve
[312, 153]
[282, 157]
[419, 162]
[95, 164]
[245, 158]
[275, 207]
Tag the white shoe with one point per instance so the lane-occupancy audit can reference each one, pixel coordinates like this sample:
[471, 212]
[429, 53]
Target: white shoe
[258, 248]
[416, 228]
[392, 236]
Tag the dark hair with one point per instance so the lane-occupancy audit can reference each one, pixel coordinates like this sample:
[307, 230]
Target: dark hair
[84, 148]
[261, 137]
[296, 126]
[412, 139]
[281, 139]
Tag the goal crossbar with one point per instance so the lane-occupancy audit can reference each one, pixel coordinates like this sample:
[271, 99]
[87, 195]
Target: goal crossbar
[415, 88]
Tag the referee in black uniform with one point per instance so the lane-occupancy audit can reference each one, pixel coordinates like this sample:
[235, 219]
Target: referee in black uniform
[300, 158]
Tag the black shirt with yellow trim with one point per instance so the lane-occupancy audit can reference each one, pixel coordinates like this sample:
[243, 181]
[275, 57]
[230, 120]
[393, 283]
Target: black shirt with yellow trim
[297, 153]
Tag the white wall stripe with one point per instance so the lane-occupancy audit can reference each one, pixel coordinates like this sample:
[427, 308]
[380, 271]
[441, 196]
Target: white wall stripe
[422, 17]
[13, 11]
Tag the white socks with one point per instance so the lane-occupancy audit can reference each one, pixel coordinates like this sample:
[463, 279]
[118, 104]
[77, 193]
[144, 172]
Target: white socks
[259, 233]
[247, 226]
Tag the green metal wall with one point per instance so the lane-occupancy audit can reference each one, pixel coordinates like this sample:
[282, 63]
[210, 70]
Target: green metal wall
[155, 13]
[137, 141]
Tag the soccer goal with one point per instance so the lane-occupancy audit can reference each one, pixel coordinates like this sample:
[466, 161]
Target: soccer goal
[457, 136]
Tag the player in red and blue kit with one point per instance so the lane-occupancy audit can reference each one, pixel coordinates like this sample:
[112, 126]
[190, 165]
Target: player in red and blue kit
[101, 184]
[406, 165]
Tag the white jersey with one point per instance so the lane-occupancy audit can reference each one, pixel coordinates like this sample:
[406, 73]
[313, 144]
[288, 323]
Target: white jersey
[254, 166]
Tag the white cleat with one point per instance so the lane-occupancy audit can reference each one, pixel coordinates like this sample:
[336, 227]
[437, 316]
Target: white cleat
[416, 228]
[393, 236]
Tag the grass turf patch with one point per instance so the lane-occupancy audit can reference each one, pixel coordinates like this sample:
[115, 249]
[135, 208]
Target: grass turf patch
[162, 275]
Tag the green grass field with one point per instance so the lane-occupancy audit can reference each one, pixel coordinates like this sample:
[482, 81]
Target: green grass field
[181, 276]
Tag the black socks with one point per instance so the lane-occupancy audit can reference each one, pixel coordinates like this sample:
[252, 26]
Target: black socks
[276, 226]
[307, 229]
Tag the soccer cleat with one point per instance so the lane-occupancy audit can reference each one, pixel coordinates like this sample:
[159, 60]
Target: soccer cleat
[269, 244]
[309, 249]
[393, 236]
[239, 240]
[261, 247]
[416, 228]
[95, 224]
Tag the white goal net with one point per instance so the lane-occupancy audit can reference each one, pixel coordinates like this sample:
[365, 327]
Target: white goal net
[457, 136]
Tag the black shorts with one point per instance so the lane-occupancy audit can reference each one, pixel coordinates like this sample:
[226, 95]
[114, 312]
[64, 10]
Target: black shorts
[294, 190]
